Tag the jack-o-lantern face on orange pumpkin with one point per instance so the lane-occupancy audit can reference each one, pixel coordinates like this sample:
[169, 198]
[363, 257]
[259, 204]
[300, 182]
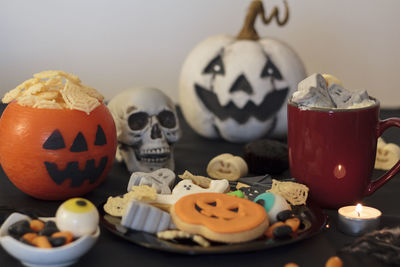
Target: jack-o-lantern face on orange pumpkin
[56, 154]
[90, 172]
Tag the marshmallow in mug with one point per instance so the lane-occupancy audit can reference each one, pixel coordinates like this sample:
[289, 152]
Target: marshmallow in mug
[326, 91]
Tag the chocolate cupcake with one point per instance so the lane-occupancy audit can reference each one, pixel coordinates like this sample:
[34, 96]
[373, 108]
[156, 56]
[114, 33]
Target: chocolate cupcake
[266, 156]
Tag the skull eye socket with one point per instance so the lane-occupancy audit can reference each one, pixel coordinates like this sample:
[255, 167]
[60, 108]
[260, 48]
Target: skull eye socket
[166, 119]
[216, 66]
[137, 121]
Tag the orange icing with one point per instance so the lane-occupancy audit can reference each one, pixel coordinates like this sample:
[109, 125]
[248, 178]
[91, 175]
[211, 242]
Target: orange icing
[220, 213]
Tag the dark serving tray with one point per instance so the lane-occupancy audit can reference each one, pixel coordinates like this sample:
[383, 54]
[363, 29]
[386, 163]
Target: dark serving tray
[312, 217]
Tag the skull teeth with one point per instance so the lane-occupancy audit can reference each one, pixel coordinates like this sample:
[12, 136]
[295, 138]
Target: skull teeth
[154, 155]
[154, 151]
[154, 160]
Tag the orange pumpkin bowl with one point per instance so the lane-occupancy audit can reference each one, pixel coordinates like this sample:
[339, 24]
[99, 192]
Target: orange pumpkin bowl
[56, 154]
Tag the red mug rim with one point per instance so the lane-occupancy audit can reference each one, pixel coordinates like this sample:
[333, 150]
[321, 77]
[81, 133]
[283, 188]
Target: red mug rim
[377, 104]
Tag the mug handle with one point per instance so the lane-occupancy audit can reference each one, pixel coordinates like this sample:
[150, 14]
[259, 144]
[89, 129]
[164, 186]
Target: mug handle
[374, 185]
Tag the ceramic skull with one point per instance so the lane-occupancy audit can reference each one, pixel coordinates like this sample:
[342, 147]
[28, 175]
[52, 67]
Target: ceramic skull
[147, 127]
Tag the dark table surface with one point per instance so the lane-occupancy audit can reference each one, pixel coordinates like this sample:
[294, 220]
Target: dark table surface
[193, 153]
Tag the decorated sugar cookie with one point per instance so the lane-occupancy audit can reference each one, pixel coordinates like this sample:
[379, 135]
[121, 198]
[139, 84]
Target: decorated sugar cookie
[187, 187]
[227, 166]
[161, 180]
[220, 217]
[387, 154]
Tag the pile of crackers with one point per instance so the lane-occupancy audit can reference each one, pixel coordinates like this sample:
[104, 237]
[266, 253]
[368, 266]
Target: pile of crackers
[55, 90]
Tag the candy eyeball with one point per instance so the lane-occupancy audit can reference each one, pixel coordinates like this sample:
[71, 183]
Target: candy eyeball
[273, 204]
[77, 215]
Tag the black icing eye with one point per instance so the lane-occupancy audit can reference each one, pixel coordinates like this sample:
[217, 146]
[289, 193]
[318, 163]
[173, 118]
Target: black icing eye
[79, 144]
[166, 119]
[215, 66]
[100, 137]
[270, 70]
[261, 202]
[234, 209]
[55, 141]
[137, 121]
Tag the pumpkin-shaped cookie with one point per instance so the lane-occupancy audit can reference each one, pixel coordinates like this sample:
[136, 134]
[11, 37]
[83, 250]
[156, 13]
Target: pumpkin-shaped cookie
[387, 154]
[227, 166]
[236, 87]
[220, 217]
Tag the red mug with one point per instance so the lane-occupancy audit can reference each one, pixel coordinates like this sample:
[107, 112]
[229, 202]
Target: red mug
[333, 152]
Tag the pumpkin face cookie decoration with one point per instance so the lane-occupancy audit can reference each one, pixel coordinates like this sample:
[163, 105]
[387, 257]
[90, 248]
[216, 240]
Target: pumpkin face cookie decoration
[220, 217]
[236, 87]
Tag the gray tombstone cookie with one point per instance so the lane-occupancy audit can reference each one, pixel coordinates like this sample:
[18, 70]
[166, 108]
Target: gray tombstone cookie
[161, 180]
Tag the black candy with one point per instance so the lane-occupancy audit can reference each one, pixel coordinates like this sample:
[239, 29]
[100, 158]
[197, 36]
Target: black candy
[19, 228]
[282, 231]
[50, 228]
[284, 215]
[57, 241]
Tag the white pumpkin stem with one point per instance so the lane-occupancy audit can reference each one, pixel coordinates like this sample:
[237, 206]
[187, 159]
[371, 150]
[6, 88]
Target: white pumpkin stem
[248, 31]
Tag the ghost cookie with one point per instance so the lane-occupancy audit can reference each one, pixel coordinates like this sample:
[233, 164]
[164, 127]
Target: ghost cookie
[386, 155]
[187, 187]
[161, 180]
[220, 217]
[227, 166]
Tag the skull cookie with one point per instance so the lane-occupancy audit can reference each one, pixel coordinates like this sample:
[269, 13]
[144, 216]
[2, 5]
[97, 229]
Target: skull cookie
[147, 127]
[161, 180]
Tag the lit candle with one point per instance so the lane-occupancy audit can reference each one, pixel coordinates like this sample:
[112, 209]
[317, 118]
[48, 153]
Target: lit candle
[358, 220]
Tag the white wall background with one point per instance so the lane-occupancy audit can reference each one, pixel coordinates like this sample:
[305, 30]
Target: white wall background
[116, 44]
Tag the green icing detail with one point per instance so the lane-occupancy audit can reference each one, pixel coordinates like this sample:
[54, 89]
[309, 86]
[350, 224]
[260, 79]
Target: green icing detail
[237, 193]
[269, 200]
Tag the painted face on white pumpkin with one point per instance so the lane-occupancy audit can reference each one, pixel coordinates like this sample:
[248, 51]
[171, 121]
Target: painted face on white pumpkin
[240, 88]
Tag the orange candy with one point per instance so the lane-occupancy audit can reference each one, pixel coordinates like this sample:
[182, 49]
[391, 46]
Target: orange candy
[36, 225]
[334, 261]
[29, 237]
[270, 230]
[294, 223]
[41, 242]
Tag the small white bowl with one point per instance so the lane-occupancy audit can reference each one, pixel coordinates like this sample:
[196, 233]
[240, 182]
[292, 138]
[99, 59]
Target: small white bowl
[34, 256]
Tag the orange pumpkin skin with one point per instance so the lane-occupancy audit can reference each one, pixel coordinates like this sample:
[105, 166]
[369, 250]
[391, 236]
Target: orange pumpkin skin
[23, 153]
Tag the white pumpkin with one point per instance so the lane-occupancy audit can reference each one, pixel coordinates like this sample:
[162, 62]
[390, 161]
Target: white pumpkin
[237, 87]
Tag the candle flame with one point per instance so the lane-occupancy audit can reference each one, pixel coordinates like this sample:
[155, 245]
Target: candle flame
[358, 209]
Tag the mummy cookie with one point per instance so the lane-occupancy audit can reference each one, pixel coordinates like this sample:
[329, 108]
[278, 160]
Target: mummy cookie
[227, 166]
[220, 217]
[144, 217]
[161, 180]
[386, 155]
[273, 205]
[187, 187]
